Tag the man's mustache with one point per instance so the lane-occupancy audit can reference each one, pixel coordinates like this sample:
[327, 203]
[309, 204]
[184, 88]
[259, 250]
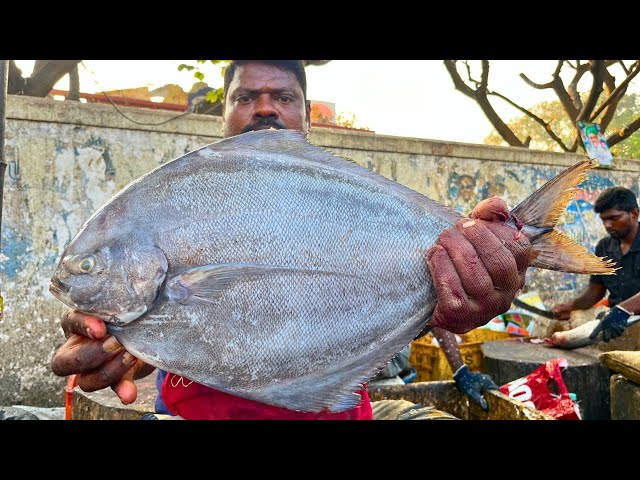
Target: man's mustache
[265, 122]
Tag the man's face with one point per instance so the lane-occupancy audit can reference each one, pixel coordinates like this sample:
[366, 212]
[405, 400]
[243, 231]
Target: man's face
[262, 96]
[618, 223]
[593, 138]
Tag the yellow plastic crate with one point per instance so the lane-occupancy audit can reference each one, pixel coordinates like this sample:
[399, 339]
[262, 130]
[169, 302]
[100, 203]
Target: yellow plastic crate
[431, 363]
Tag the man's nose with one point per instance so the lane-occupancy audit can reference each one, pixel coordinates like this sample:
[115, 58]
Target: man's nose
[265, 107]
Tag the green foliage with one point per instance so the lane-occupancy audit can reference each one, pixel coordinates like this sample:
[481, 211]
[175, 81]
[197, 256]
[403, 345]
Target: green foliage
[552, 112]
[198, 74]
[214, 95]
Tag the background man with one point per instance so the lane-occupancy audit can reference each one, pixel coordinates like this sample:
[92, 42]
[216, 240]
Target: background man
[618, 210]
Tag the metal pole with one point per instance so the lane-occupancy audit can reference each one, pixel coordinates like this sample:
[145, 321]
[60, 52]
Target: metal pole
[4, 80]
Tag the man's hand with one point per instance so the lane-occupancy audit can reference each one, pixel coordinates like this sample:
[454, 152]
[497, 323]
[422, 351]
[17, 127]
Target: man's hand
[612, 325]
[478, 267]
[562, 311]
[98, 357]
[472, 384]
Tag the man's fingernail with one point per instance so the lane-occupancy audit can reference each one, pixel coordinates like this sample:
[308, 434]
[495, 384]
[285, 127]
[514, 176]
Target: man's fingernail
[128, 358]
[90, 333]
[111, 344]
[468, 223]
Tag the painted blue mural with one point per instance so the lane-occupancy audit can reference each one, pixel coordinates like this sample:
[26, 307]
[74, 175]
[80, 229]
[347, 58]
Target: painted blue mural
[16, 251]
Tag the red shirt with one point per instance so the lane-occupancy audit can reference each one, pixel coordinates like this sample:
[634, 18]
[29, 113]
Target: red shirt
[194, 401]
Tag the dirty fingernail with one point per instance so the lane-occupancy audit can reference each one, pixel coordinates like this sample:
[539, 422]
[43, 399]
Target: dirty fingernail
[111, 345]
[128, 358]
[90, 333]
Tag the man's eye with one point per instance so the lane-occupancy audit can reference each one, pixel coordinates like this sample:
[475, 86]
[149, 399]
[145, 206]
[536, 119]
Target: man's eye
[243, 99]
[285, 99]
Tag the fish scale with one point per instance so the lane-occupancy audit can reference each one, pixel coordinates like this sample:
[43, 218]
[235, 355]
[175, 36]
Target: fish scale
[269, 268]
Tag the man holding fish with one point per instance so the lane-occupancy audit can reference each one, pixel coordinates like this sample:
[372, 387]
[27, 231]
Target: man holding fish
[478, 266]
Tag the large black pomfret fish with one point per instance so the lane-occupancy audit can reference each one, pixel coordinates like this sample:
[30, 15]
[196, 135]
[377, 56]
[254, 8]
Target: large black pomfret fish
[269, 268]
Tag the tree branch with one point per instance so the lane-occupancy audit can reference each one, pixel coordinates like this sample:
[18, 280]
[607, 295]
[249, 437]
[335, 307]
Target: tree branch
[572, 89]
[623, 133]
[74, 85]
[541, 86]
[597, 71]
[458, 83]
[610, 110]
[618, 91]
[480, 96]
[44, 79]
[545, 125]
[16, 82]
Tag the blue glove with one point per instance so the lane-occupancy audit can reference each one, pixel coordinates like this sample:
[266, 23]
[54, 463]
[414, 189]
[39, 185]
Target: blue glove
[612, 325]
[472, 384]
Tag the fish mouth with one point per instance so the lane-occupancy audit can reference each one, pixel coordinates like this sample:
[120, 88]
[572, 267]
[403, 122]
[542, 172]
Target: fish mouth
[57, 286]
[61, 292]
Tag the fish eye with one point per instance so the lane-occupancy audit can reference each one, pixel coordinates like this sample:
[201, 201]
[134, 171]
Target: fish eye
[87, 264]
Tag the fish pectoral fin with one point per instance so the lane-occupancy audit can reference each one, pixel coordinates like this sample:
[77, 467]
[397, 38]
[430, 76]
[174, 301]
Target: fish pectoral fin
[205, 283]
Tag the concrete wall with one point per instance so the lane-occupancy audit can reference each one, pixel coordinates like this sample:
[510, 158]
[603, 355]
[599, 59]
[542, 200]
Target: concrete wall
[66, 159]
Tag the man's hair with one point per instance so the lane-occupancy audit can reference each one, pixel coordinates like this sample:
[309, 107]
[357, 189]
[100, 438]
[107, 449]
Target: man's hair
[619, 198]
[294, 66]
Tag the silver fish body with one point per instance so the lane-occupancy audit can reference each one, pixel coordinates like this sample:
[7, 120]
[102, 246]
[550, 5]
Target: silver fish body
[579, 336]
[262, 266]
[266, 267]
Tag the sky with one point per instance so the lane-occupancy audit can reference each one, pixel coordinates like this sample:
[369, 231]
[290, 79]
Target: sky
[407, 98]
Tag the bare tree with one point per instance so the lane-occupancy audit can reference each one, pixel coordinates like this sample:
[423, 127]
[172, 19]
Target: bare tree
[595, 108]
[46, 73]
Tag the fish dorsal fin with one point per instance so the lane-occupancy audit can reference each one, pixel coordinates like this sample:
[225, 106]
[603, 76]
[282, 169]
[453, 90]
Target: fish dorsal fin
[205, 283]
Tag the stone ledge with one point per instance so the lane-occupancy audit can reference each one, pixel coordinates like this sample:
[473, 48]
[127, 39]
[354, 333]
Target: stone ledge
[625, 398]
[105, 405]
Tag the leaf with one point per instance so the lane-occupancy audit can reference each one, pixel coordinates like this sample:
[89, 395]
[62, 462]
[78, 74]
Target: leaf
[199, 76]
[213, 95]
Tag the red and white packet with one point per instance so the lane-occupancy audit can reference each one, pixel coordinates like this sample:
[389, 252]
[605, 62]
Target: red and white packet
[533, 390]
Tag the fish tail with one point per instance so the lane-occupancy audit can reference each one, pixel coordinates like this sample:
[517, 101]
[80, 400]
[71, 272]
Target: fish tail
[538, 215]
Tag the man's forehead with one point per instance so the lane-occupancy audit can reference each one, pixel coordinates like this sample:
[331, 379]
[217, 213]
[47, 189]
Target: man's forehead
[260, 75]
[611, 212]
